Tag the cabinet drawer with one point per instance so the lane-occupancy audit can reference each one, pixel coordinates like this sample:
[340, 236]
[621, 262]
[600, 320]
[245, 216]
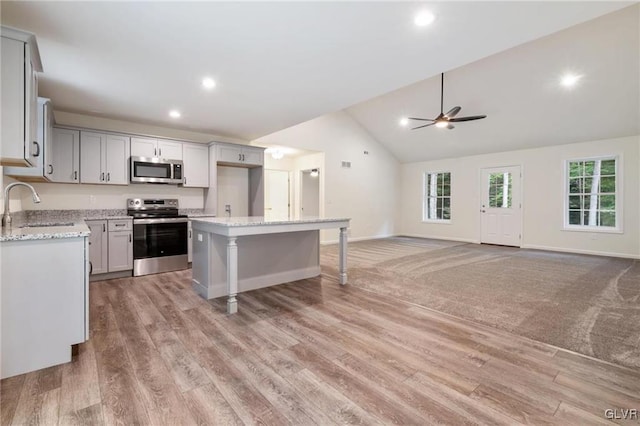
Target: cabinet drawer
[120, 224]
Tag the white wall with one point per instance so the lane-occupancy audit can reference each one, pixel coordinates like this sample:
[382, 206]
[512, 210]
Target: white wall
[367, 192]
[543, 197]
[61, 196]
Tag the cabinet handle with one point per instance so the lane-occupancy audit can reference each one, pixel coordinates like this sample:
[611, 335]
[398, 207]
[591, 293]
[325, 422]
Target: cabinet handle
[129, 237]
[155, 152]
[104, 227]
[108, 176]
[101, 176]
[120, 224]
[37, 154]
[50, 169]
[159, 152]
[90, 267]
[184, 181]
[75, 175]
[189, 233]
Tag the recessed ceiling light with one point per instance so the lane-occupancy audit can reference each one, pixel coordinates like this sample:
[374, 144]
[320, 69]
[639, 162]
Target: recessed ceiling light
[404, 121]
[570, 80]
[424, 18]
[174, 113]
[208, 83]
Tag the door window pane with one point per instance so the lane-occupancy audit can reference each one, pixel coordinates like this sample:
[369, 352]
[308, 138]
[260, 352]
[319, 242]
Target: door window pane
[500, 190]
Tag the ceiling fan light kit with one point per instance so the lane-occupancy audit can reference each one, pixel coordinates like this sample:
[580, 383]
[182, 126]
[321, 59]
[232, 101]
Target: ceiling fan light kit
[444, 120]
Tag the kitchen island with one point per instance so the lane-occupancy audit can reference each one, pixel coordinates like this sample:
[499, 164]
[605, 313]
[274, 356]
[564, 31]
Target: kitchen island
[236, 254]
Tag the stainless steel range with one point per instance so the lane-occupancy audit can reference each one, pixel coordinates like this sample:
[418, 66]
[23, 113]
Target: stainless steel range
[159, 236]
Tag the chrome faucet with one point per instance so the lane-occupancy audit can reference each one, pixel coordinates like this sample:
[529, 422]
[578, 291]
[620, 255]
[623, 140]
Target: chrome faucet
[6, 217]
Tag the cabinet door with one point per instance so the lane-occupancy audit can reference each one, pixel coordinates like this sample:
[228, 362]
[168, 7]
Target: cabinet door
[64, 156]
[34, 149]
[92, 157]
[253, 157]
[116, 153]
[189, 242]
[229, 154]
[98, 246]
[196, 165]
[120, 251]
[144, 147]
[13, 103]
[170, 150]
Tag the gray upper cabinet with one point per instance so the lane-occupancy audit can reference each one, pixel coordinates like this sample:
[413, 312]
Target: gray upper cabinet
[39, 172]
[104, 158]
[19, 87]
[196, 165]
[156, 148]
[64, 156]
[240, 155]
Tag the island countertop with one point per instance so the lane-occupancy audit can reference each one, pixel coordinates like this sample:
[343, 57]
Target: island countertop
[252, 225]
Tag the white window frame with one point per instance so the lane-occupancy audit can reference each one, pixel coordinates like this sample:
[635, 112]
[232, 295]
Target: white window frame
[618, 229]
[425, 197]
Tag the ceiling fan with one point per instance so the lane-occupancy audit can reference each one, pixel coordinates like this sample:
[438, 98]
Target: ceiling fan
[444, 120]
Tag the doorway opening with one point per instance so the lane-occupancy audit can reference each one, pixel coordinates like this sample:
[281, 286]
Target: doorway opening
[310, 193]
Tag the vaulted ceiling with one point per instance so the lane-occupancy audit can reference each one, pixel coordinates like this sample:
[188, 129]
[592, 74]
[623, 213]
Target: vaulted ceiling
[278, 64]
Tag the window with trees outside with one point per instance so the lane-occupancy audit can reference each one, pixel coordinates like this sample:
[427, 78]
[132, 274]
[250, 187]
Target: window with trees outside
[437, 196]
[592, 194]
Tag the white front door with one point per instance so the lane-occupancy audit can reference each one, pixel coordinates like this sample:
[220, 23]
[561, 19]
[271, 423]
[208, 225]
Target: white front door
[276, 195]
[501, 209]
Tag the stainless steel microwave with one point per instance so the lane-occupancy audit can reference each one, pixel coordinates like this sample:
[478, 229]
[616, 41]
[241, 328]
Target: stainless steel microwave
[155, 170]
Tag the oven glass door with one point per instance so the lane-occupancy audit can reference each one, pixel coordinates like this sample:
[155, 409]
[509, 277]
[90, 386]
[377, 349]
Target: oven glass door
[159, 239]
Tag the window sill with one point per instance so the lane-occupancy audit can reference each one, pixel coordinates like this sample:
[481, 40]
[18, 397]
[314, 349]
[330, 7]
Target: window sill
[439, 221]
[601, 230]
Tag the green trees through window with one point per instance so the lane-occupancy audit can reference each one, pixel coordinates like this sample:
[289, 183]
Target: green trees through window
[500, 190]
[592, 189]
[437, 196]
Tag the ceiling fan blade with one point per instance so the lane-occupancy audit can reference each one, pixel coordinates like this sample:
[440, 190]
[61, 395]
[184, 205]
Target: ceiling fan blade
[469, 118]
[426, 125]
[453, 112]
[420, 119]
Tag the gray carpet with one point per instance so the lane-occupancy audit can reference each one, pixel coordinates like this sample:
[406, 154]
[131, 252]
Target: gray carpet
[587, 304]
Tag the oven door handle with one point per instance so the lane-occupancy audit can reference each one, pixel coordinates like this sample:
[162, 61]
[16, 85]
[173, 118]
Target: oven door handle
[162, 220]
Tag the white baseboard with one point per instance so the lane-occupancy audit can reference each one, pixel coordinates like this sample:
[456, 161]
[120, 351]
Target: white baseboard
[580, 251]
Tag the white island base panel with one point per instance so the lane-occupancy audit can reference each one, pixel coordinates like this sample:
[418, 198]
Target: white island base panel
[230, 256]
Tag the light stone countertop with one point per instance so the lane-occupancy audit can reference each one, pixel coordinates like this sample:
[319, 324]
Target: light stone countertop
[21, 231]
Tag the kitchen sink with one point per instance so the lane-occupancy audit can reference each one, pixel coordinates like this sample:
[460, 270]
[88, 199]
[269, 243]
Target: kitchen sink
[47, 225]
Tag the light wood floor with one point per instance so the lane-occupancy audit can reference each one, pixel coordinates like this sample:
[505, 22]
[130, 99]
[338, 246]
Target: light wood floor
[310, 352]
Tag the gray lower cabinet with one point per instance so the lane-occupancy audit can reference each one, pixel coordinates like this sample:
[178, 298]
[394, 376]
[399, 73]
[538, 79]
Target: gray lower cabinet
[98, 247]
[110, 245]
[120, 245]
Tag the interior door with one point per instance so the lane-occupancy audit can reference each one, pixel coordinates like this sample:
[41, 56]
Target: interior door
[276, 190]
[501, 210]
